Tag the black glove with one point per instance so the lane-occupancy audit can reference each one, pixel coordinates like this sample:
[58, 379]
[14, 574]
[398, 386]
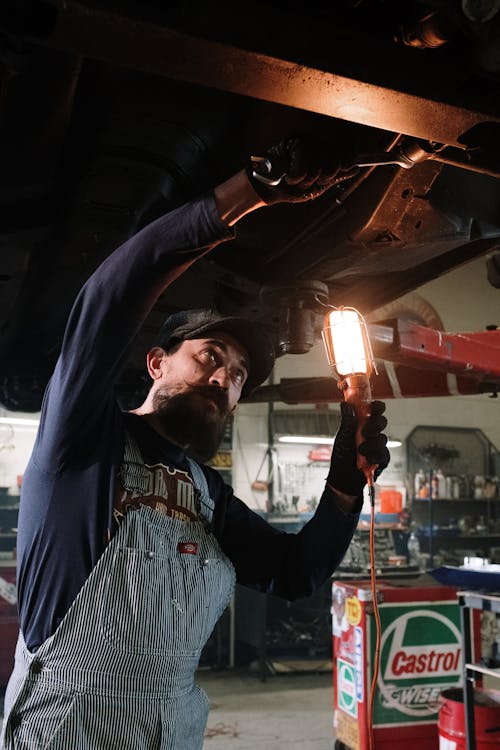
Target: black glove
[295, 170]
[344, 474]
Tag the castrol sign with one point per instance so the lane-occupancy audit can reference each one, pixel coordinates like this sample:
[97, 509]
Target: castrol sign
[420, 657]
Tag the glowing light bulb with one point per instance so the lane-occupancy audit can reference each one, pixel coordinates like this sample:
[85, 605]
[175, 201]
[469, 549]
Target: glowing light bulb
[346, 342]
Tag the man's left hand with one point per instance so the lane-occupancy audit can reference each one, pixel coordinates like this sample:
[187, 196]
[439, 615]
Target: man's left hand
[344, 476]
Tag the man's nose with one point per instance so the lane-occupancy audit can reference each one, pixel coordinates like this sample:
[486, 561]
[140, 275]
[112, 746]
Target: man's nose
[220, 377]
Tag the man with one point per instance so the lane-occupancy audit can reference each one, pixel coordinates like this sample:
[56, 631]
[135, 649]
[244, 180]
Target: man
[129, 547]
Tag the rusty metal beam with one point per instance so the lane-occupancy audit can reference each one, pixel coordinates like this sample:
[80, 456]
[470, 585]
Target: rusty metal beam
[100, 34]
[471, 354]
[413, 362]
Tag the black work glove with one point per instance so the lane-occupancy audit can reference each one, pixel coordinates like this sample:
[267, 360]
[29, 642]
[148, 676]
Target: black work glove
[295, 170]
[344, 474]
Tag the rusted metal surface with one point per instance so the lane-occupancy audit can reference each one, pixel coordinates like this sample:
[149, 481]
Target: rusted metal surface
[476, 354]
[141, 45]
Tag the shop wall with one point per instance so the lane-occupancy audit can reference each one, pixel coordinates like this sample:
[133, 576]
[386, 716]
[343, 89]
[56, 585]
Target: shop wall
[250, 454]
[465, 302]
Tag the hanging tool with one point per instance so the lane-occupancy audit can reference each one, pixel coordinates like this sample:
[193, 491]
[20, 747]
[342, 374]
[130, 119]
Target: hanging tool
[350, 356]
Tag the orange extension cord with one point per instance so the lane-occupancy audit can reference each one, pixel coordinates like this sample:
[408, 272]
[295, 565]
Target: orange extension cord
[378, 627]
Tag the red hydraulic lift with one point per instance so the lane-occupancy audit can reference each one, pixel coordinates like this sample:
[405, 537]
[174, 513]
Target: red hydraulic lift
[413, 361]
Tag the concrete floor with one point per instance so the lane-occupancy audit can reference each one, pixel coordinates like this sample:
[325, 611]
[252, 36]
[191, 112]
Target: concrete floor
[286, 711]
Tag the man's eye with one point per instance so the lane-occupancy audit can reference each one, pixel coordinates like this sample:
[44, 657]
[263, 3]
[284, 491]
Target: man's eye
[239, 376]
[210, 356]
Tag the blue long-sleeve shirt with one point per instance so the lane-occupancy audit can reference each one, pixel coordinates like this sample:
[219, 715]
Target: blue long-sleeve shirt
[70, 484]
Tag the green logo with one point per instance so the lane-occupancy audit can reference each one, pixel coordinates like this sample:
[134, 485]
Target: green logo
[420, 657]
[346, 687]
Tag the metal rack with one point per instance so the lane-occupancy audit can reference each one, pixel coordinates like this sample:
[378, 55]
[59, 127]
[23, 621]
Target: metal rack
[473, 600]
[461, 453]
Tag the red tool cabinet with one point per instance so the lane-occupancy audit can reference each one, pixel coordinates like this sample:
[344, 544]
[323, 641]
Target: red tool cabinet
[421, 655]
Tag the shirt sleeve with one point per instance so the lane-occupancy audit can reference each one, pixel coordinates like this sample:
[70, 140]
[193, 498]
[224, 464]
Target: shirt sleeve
[107, 314]
[285, 564]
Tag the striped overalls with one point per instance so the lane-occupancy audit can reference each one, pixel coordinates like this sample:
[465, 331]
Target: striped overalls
[118, 673]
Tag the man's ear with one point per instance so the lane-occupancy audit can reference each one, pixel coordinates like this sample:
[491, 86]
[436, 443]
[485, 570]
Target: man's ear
[154, 358]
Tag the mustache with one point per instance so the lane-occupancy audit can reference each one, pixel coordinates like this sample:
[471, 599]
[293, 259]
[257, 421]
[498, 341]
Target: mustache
[213, 392]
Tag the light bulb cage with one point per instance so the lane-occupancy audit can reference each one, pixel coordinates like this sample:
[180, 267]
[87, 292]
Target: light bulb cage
[328, 334]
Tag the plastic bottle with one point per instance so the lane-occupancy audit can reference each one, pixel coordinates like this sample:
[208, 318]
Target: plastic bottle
[478, 487]
[434, 485]
[441, 483]
[420, 479]
[413, 550]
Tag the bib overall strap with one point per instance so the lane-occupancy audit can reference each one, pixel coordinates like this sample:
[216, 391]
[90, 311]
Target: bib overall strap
[201, 485]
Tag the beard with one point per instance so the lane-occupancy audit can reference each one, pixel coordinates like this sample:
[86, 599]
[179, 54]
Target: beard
[194, 418]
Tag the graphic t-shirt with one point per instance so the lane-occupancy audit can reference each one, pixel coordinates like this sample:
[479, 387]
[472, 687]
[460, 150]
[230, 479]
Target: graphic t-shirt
[170, 491]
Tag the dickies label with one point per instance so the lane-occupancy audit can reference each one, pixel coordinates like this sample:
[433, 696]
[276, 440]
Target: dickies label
[188, 548]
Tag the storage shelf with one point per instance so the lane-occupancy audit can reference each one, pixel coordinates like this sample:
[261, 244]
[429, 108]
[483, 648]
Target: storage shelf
[448, 532]
[457, 500]
[480, 600]
[453, 522]
[479, 669]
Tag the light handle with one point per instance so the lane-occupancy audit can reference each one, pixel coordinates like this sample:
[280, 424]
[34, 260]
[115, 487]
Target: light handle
[357, 392]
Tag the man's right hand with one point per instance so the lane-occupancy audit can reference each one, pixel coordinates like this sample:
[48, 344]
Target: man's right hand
[296, 170]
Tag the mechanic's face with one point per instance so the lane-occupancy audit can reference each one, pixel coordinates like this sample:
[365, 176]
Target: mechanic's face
[196, 388]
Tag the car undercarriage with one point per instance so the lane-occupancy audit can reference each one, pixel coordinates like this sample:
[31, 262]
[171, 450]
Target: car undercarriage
[113, 113]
